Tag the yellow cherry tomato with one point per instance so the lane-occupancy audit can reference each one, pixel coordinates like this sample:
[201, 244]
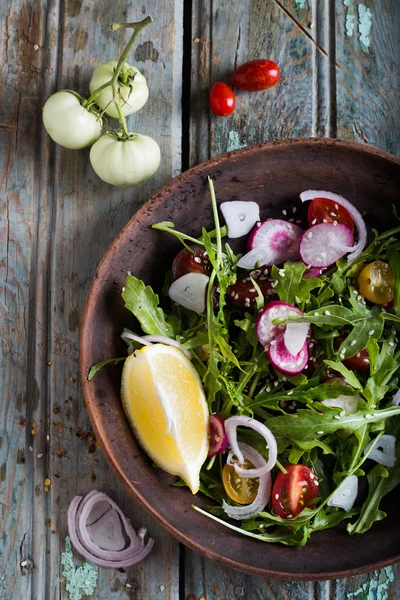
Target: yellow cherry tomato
[239, 489]
[376, 282]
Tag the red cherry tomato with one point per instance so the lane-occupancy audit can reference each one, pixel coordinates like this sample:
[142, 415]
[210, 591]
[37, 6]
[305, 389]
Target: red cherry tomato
[190, 262]
[222, 100]
[359, 361]
[243, 294]
[292, 491]
[256, 75]
[322, 210]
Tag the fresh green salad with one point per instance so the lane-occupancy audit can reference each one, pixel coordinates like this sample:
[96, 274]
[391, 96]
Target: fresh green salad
[296, 344]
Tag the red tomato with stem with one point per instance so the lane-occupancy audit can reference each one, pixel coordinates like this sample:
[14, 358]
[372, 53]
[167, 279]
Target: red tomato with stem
[292, 491]
[191, 262]
[256, 75]
[322, 210]
[222, 100]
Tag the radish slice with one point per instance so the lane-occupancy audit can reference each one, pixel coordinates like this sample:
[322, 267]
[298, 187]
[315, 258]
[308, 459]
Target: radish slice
[266, 330]
[218, 437]
[250, 260]
[231, 426]
[312, 272]
[396, 398]
[264, 487]
[190, 291]
[240, 217]
[283, 360]
[384, 451]
[351, 209]
[347, 403]
[100, 532]
[279, 239]
[323, 244]
[295, 336]
[346, 494]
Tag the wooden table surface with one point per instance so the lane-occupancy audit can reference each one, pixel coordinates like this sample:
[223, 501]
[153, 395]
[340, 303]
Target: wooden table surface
[57, 219]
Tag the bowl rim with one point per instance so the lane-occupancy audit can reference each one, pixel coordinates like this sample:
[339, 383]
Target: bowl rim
[90, 399]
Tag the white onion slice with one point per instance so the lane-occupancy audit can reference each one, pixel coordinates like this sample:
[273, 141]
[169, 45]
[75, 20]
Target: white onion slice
[295, 336]
[384, 451]
[149, 340]
[347, 403]
[190, 291]
[346, 494]
[396, 398]
[97, 532]
[351, 209]
[264, 487]
[240, 217]
[231, 426]
[257, 255]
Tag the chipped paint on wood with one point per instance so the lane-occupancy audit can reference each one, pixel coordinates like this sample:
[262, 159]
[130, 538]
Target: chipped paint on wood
[81, 580]
[364, 26]
[300, 3]
[350, 17]
[234, 142]
[376, 588]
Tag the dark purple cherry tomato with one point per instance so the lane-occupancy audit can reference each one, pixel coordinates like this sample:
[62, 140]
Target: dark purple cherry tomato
[191, 262]
[359, 361]
[243, 294]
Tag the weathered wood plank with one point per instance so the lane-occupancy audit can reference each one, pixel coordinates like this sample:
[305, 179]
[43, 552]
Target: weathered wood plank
[368, 48]
[60, 220]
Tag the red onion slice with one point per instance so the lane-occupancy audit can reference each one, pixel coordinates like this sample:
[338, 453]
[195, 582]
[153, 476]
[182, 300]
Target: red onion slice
[231, 426]
[264, 486]
[351, 209]
[396, 398]
[190, 291]
[97, 532]
[149, 340]
[240, 217]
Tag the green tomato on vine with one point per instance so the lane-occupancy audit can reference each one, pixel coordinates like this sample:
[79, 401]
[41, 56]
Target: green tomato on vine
[117, 89]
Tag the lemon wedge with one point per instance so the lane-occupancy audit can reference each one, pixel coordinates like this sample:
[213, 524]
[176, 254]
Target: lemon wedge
[165, 403]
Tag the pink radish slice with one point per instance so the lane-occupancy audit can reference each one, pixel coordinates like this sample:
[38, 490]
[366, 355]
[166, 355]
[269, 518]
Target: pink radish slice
[312, 272]
[351, 209]
[266, 330]
[295, 336]
[240, 217]
[279, 239]
[283, 360]
[323, 244]
[218, 437]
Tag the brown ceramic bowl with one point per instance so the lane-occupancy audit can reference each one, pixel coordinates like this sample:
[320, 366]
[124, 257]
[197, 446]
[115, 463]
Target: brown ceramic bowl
[273, 175]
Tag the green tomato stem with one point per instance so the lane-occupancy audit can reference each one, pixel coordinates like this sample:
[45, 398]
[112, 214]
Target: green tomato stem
[137, 27]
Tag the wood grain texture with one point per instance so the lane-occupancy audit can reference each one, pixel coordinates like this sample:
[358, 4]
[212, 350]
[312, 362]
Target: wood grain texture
[368, 107]
[58, 218]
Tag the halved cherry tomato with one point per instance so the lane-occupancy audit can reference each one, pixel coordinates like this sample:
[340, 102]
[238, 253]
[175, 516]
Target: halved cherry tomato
[239, 489]
[256, 75]
[191, 262]
[243, 294]
[222, 100]
[292, 491]
[376, 282]
[322, 210]
[359, 361]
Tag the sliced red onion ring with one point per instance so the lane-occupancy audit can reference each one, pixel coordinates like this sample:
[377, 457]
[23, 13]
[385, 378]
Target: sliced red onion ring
[254, 256]
[148, 340]
[295, 336]
[346, 494]
[264, 486]
[351, 209]
[231, 426]
[384, 451]
[240, 217]
[190, 291]
[396, 398]
[95, 526]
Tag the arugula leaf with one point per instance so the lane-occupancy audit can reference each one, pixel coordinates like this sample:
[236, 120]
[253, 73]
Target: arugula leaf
[349, 376]
[362, 332]
[96, 368]
[143, 304]
[393, 255]
[290, 286]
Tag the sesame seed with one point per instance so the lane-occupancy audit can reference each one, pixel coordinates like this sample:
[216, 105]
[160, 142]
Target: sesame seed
[290, 392]
[39, 455]
[327, 313]
[368, 416]
[358, 354]
[333, 214]
[316, 483]
[268, 389]
[276, 496]
[319, 433]
[312, 476]
[334, 223]
[282, 272]
[233, 294]
[353, 343]
[248, 299]
[298, 221]
[30, 448]
[312, 345]
[336, 206]
[371, 332]
[313, 221]
[284, 378]
[294, 209]
[355, 292]
[372, 288]
[337, 416]
[252, 290]
[276, 383]
[366, 360]
[236, 296]
[291, 220]
[309, 234]
[290, 516]
[359, 297]
[391, 344]
[197, 259]
[284, 212]
[324, 221]
[273, 342]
